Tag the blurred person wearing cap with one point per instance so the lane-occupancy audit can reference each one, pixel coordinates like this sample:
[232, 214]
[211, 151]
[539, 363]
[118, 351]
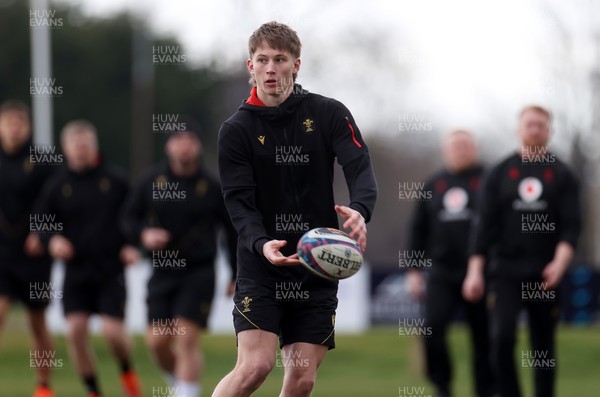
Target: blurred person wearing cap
[439, 230]
[85, 197]
[175, 213]
[526, 229]
[23, 260]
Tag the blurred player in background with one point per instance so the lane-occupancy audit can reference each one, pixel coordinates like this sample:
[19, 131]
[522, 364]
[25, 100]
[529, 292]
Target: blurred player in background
[528, 223]
[23, 259]
[175, 213]
[86, 198]
[276, 157]
[440, 229]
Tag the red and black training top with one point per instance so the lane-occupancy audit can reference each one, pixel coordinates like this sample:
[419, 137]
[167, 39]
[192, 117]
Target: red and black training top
[525, 209]
[276, 169]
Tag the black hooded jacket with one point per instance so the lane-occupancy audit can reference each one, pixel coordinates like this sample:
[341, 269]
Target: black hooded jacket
[276, 168]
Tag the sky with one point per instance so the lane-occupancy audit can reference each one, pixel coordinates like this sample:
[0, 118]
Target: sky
[460, 63]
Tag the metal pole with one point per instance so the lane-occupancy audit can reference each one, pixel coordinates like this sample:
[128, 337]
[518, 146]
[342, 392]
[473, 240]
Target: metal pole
[41, 67]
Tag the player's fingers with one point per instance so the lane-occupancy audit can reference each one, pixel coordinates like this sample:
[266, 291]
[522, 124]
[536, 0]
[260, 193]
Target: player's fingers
[62, 254]
[285, 259]
[272, 250]
[358, 229]
[550, 282]
[362, 242]
[274, 259]
[359, 233]
[349, 222]
[278, 244]
[280, 260]
[355, 222]
[290, 262]
[547, 277]
[469, 292]
[465, 291]
[545, 272]
[478, 292]
[466, 294]
[471, 296]
[341, 210]
[69, 251]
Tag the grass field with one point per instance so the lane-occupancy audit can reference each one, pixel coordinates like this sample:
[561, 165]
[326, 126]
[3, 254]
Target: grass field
[374, 364]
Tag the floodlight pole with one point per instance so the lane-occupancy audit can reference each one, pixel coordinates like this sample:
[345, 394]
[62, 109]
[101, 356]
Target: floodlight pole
[41, 67]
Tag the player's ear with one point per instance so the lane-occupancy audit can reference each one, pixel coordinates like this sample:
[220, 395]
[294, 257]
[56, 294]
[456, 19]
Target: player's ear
[297, 63]
[250, 66]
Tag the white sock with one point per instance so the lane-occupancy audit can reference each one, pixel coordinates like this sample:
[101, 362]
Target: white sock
[169, 378]
[187, 389]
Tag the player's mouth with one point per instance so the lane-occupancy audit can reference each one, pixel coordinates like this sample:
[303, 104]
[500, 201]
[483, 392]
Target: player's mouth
[271, 83]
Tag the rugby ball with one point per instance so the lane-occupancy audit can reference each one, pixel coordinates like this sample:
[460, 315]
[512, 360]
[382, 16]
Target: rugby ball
[330, 253]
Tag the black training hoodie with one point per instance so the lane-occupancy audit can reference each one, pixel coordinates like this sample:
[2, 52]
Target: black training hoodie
[276, 168]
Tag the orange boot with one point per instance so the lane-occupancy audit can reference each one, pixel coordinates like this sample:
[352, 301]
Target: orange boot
[43, 391]
[131, 384]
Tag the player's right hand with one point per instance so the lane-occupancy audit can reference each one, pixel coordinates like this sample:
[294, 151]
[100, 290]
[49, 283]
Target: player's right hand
[473, 287]
[155, 238]
[415, 284]
[61, 248]
[272, 254]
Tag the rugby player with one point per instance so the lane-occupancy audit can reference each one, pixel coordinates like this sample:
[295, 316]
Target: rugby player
[276, 158]
[86, 198]
[176, 212]
[23, 260]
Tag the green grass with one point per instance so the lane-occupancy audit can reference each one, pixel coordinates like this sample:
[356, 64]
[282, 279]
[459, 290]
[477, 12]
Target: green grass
[375, 364]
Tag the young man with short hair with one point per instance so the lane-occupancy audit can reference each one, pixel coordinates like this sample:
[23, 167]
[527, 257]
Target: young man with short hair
[276, 158]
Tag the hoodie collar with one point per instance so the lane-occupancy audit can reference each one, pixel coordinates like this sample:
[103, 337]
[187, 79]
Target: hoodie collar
[275, 112]
[253, 99]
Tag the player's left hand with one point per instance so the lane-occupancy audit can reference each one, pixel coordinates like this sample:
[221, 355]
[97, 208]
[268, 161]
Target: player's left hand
[272, 254]
[553, 274]
[33, 245]
[129, 255]
[356, 223]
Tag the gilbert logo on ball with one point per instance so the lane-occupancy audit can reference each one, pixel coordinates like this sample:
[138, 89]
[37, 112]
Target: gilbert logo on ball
[330, 253]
